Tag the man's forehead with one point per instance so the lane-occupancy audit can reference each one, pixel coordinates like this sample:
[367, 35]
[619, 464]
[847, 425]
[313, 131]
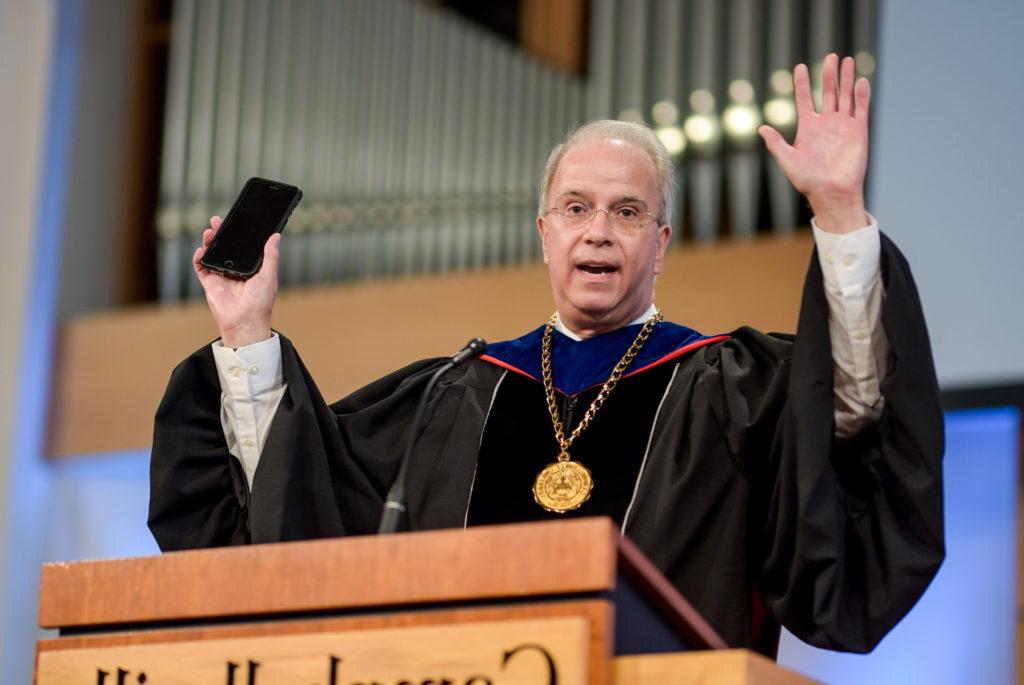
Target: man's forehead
[607, 166]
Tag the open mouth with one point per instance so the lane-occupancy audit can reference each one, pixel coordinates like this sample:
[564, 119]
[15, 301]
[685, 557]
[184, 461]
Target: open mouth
[595, 268]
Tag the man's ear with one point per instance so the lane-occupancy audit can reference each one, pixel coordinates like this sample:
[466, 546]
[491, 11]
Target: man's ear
[543, 231]
[664, 234]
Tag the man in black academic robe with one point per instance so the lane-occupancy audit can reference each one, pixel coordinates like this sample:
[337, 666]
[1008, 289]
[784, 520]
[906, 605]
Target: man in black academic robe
[721, 456]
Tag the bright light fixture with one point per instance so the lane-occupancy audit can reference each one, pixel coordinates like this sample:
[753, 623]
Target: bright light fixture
[665, 113]
[780, 113]
[741, 121]
[672, 138]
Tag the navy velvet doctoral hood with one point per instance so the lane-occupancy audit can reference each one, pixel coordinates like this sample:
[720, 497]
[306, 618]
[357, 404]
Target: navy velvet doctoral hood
[578, 365]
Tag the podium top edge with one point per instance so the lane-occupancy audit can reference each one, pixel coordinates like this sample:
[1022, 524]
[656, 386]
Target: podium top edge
[513, 561]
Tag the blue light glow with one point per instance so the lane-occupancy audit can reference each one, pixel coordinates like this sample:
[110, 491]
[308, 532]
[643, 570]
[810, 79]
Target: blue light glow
[963, 629]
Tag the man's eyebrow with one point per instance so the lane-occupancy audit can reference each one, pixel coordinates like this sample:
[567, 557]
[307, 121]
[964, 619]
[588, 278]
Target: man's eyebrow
[630, 200]
[625, 200]
[572, 193]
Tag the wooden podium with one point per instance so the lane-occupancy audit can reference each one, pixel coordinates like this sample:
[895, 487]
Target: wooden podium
[561, 602]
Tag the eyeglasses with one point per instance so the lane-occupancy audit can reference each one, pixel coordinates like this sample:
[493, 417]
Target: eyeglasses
[625, 220]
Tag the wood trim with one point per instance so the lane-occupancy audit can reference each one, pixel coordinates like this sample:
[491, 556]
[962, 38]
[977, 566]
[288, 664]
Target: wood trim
[730, 667]
[553, 31]
[599, 613]
[144, 131]
[411, 569]
[112, 367]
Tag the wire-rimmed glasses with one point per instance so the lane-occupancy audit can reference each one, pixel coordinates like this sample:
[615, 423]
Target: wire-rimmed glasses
[626, 220]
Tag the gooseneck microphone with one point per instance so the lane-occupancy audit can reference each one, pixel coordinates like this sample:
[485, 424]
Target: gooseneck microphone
[474, 348]
[394, 507]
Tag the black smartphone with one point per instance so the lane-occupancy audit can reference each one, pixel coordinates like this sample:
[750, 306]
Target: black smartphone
[260, 210]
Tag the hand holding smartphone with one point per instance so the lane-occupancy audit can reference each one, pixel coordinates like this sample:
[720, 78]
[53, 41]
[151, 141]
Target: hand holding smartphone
[259, 211]
[239, 282]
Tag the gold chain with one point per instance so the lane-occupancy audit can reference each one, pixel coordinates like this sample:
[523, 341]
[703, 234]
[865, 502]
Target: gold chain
[613, 379]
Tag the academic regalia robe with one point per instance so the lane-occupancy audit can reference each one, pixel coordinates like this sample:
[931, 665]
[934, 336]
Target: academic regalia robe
[717, 455]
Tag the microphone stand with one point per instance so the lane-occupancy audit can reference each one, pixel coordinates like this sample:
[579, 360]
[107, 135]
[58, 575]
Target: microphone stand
[394, 506]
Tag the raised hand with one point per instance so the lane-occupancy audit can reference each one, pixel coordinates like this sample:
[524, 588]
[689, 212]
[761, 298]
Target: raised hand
[241, 309]
[828, 158]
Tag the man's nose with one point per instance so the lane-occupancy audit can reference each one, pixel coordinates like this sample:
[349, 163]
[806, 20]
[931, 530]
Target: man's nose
[600, 228]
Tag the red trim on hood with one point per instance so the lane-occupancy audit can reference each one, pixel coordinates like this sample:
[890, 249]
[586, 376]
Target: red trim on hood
[675, 354]
[506, 365]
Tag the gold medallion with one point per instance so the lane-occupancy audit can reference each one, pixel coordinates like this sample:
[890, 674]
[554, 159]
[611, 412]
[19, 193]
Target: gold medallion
[562, 486]
[566, 484]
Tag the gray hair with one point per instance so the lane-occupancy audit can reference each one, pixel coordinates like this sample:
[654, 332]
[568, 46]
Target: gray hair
[633, 133]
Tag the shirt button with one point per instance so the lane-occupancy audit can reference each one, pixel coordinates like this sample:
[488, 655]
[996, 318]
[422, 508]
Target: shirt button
[248, 443]
[860, 335]
[236, 372]
[848, 260]
[829, 258]
[254, 370]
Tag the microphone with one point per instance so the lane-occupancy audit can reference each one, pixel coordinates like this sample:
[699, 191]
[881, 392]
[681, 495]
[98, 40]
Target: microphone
[394, 507]
[474, 348]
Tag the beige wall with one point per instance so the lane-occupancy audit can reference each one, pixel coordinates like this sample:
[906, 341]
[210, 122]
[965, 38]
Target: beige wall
[26, 34]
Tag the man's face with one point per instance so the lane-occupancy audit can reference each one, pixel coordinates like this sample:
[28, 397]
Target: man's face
[603, 278]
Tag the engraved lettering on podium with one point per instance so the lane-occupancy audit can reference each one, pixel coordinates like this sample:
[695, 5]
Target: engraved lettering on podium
[550, 651]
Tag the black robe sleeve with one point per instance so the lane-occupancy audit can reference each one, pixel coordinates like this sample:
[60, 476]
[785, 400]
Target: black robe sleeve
[852, 531]
[323, 470]
[197, 491]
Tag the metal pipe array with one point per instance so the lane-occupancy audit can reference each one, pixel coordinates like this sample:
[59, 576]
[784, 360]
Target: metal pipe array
[419, 138]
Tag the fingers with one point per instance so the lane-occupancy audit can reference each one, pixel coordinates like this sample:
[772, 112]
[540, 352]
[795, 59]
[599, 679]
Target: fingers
[271, 258]
[780, 150]
[829, 83]
[846, 79]
[802, 92]
[774, 141]
[215, 222]
[196, 256]
[862, 98]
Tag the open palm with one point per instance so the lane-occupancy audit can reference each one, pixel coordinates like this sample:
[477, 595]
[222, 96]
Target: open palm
[828, 158]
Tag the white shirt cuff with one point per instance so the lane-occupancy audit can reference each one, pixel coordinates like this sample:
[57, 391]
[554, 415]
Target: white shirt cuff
[249, 370]
[849, 261]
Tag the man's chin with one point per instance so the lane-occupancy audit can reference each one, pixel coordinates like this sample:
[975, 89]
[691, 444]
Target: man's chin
[599, 317]
[595, 312]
